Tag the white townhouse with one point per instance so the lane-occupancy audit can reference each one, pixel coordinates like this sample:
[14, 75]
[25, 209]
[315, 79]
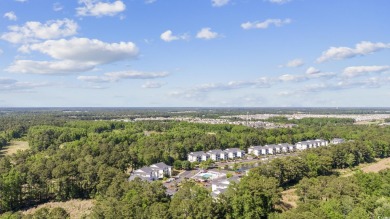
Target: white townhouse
[205, 156]
[195, 156]
[321, 142]
[152, 172]
[162, 169]
[287, 147]
[303, 145]
[217, 155]
[269, 149]
[337, 141]
[233, 153]
[255, 150]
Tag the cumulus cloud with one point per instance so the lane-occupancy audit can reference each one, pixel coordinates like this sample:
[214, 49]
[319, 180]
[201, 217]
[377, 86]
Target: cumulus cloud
[117, 76]
[99, 8]
[168, 36]
[73, 56]
[85, 50]
[207, 34]
[355, 71]
[265, 24]
[361, 49]
[34, 31]
[312, 70]
[279, 1]
[294, 63]
[11, 16]
[48, 67]
[219, 3]
[152, 84]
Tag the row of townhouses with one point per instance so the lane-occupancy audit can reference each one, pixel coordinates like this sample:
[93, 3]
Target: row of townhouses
[216, 155]
[232, 153]
[152, 172]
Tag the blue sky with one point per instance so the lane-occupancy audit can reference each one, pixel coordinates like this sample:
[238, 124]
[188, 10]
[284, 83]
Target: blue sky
[201, 53]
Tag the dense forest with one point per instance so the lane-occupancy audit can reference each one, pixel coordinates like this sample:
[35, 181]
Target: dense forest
[83, 158]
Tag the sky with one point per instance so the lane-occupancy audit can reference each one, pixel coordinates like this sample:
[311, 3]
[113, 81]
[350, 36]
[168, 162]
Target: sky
[194, 53]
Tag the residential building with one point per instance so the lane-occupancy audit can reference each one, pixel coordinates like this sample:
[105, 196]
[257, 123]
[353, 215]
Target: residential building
[337, 141]
[153, 172]
[233, 153]
[162, 169]
[217, 155]
[195, 156]
[255, 150]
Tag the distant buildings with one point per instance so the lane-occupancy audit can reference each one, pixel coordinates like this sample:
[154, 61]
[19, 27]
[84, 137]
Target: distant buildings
[258, 150]
[216, 155]
[337, 141]
[152, 172]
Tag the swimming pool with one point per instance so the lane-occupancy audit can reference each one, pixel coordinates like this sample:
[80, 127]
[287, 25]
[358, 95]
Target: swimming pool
[210, 175]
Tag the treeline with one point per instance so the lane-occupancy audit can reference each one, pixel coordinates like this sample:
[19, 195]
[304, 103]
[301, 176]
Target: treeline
[360, 196]
[88, 159]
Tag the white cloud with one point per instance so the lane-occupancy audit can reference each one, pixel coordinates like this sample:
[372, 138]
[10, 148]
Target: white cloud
[219, 3]
[48, 67]
[85, 50]
[362, 48]
[1, 51]
[152, 84]
[279, 1]
[21, 0]
[11, 16]
[58, 6]
[355, 71]
[295, 63]
[150, 1]
[207, 34]
[99, 8]
[289, 77]
[116, 76]
[9, 85]
[33, 31]
[168, 36]
[265, 24]
[312, 70]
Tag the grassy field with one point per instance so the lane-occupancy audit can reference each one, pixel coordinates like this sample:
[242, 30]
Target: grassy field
[76, 208]
[289, 200]
[379, 165]
[13, 147]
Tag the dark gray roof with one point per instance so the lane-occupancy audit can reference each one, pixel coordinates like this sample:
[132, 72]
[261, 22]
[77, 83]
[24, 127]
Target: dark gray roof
[217, 151]
[257, 147]
[197, 153]
[233, 150]
[160, 165]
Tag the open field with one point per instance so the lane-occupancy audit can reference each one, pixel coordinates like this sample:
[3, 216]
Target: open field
[289, 199]
[76, 208]
[381, 164]
[13, 147]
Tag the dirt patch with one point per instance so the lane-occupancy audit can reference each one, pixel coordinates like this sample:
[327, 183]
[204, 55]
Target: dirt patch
[76, 208]
[289, 199]
[378, 166]
[13, 147]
